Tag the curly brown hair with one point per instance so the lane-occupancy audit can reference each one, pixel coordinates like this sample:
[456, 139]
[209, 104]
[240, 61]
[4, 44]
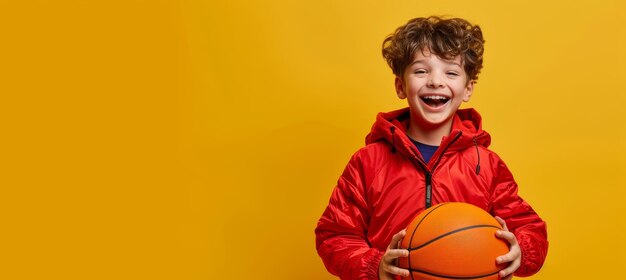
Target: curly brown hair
[446, 38]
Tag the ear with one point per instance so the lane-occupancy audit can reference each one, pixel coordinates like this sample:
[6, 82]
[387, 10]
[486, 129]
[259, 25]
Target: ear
[400, 88]
[469, 89]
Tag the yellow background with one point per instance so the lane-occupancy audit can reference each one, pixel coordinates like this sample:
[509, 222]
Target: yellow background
[202, 139]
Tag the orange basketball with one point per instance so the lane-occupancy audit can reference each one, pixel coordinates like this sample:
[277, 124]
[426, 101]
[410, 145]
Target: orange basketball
[453, 241]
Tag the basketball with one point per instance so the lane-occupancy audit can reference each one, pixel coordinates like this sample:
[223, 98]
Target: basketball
[453, 241]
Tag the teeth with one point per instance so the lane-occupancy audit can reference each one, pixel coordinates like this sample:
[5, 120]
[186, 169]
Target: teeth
[435, 97]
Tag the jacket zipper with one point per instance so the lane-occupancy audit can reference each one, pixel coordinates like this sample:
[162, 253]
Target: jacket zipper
[429, 187]
[429, 174]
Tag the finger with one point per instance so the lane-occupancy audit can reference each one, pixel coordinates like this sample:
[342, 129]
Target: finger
[393, 254]
[396, 270]
[509, 257]
[502, 223]
[513, 255]
[395, 240]
[507, 235]
[508, 271]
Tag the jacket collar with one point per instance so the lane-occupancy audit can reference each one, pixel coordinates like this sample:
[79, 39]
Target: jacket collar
[392, 127]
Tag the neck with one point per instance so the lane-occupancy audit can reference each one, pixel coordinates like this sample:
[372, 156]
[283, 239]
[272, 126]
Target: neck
[429, 135]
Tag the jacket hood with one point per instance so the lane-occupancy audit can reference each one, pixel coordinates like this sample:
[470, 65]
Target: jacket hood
[392, 127]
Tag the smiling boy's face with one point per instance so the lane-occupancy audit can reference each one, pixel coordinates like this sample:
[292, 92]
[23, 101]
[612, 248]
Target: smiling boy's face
[434, 89]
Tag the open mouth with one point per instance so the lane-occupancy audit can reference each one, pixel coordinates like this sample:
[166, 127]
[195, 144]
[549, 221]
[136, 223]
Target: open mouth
[435, 100]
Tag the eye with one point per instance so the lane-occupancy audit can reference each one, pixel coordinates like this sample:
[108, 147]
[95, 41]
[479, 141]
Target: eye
[420, 71]
[452, 73]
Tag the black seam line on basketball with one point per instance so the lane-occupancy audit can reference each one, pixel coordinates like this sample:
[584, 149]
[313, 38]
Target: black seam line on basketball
[448, 233]
[450, 277]
[415, 229]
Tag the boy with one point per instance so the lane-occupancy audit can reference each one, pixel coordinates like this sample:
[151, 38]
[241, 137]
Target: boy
[426, 154]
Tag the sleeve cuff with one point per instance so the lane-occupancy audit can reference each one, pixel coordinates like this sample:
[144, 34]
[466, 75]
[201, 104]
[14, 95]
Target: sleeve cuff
[373, 262]
[530, 263]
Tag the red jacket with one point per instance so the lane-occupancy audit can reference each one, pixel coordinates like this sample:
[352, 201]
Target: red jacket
[386, 184]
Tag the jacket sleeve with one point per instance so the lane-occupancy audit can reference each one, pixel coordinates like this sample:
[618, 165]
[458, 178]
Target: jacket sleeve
[529, 229]
[341, 232]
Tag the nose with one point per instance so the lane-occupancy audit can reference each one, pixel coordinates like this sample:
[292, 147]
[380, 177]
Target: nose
[434, 81]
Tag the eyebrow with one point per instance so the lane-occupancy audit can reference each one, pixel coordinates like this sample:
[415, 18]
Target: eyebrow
[447, 61]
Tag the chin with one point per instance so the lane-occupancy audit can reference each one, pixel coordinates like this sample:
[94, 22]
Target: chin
[434, 121]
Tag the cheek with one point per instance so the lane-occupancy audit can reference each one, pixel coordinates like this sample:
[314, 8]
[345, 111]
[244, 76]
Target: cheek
[415, 87]
[464, 97]
[462, 90]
